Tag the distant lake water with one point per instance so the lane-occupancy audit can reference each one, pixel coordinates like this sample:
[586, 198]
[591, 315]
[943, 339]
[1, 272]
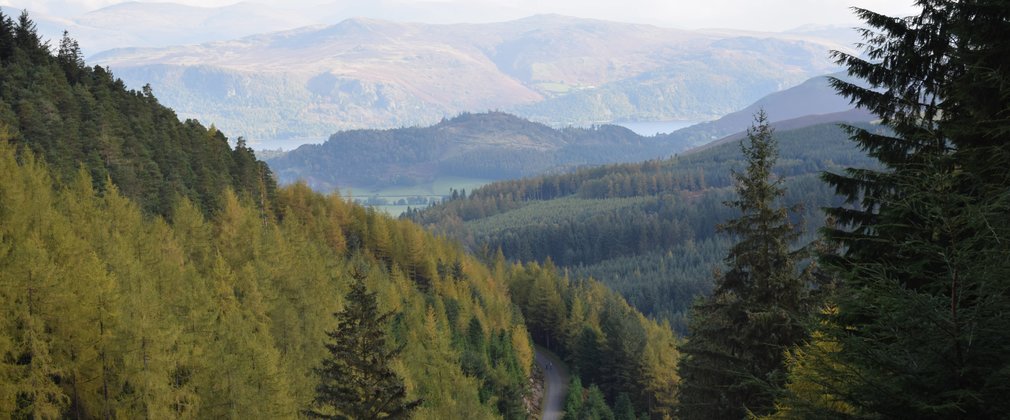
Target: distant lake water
[651, 128]
[642, 128]
[285, 144]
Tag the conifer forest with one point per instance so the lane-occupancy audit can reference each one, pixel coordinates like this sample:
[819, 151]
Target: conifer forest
[153, 267]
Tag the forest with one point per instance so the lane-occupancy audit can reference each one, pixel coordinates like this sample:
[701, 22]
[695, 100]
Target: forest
[894, 308]
[148, 269]
[489, 145]
[152, 271]
[647, 230]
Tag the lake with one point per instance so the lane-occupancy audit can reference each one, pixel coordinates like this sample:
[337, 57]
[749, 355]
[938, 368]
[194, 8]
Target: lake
[651, 128]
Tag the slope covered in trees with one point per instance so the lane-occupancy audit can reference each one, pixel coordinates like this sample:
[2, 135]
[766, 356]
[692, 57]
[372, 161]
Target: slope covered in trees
[498, 146]
[491, 145]
[214, 301]
[109, 311]
[164, 296]
[647, 230]
[73, 115]
[606, 342]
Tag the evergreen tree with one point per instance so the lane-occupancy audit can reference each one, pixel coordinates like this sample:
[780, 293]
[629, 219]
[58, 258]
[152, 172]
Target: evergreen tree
[920, 329]
[733, 359]
[595, 406]
[573, 401]
[357, 381]
[623, 410]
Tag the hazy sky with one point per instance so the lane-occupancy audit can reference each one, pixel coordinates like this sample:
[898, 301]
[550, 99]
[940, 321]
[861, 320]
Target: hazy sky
[771, 15]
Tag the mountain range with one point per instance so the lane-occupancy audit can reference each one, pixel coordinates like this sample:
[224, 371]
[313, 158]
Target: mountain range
[498, 146]
[811, 102]
[301, 85]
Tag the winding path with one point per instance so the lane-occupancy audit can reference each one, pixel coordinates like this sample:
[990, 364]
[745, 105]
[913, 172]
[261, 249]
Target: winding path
[555, 383]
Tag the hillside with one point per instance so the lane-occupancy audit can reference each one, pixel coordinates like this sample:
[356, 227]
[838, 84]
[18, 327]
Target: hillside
[490, 146]
[76, 115]
[371, 73]
[497, 146]
[814, 97]
[113, 309]
[161, 24]
[646, 230]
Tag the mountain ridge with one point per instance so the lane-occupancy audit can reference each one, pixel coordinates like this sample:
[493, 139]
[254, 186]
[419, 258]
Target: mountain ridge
[492, 145]
[550, 68]
[497, 146]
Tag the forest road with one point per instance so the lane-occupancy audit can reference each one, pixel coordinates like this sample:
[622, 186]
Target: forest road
[555, 383]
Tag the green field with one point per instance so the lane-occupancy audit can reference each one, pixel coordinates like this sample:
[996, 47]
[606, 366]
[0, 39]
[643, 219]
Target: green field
[435, 190]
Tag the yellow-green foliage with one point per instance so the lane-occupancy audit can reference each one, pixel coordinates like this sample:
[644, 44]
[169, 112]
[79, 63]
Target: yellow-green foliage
[813, 380]
[606, 341]
[108, 312]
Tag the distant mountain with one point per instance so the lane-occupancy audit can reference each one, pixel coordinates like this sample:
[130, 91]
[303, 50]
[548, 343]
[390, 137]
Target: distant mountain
[491, 145]
[847, 117]
[162, 24]
[497, 146]
[810, 98]
[362, 73]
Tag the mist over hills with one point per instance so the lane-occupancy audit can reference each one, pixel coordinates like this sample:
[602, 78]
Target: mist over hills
[162, 24]
[814, 97]
[498, 146]
[364, 73]
[490, 145]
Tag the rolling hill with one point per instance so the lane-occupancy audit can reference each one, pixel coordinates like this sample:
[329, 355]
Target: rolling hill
[647, 230]
[498, 146]
[810, 102]
[490, 146]
[306, 83]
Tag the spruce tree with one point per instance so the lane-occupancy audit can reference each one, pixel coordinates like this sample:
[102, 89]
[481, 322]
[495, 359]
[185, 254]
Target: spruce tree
[357, 381]
[733, 359]
[920, 329]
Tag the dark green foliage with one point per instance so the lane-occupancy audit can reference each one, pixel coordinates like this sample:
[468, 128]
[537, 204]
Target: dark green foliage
[491, 146]
[595, 406]
[734, 356]
[607, 343]
[623, 410]
[73, 116]
[357, 381]
[920, 327]
[624, 344]
[647, 230]
[573, 401]
[589, 404]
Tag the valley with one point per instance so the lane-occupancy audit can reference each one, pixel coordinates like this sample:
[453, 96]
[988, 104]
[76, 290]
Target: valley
[516, 217]
[646, 230]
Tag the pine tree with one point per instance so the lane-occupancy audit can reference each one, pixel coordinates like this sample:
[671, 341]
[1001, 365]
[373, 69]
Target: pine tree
[357, 381]
[920, 329]
[733, 359]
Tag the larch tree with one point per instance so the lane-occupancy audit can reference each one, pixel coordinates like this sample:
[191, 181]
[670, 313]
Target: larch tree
[733, 359]
[357, 380]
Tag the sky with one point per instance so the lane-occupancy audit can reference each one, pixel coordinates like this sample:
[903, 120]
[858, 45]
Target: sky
[763, 15]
